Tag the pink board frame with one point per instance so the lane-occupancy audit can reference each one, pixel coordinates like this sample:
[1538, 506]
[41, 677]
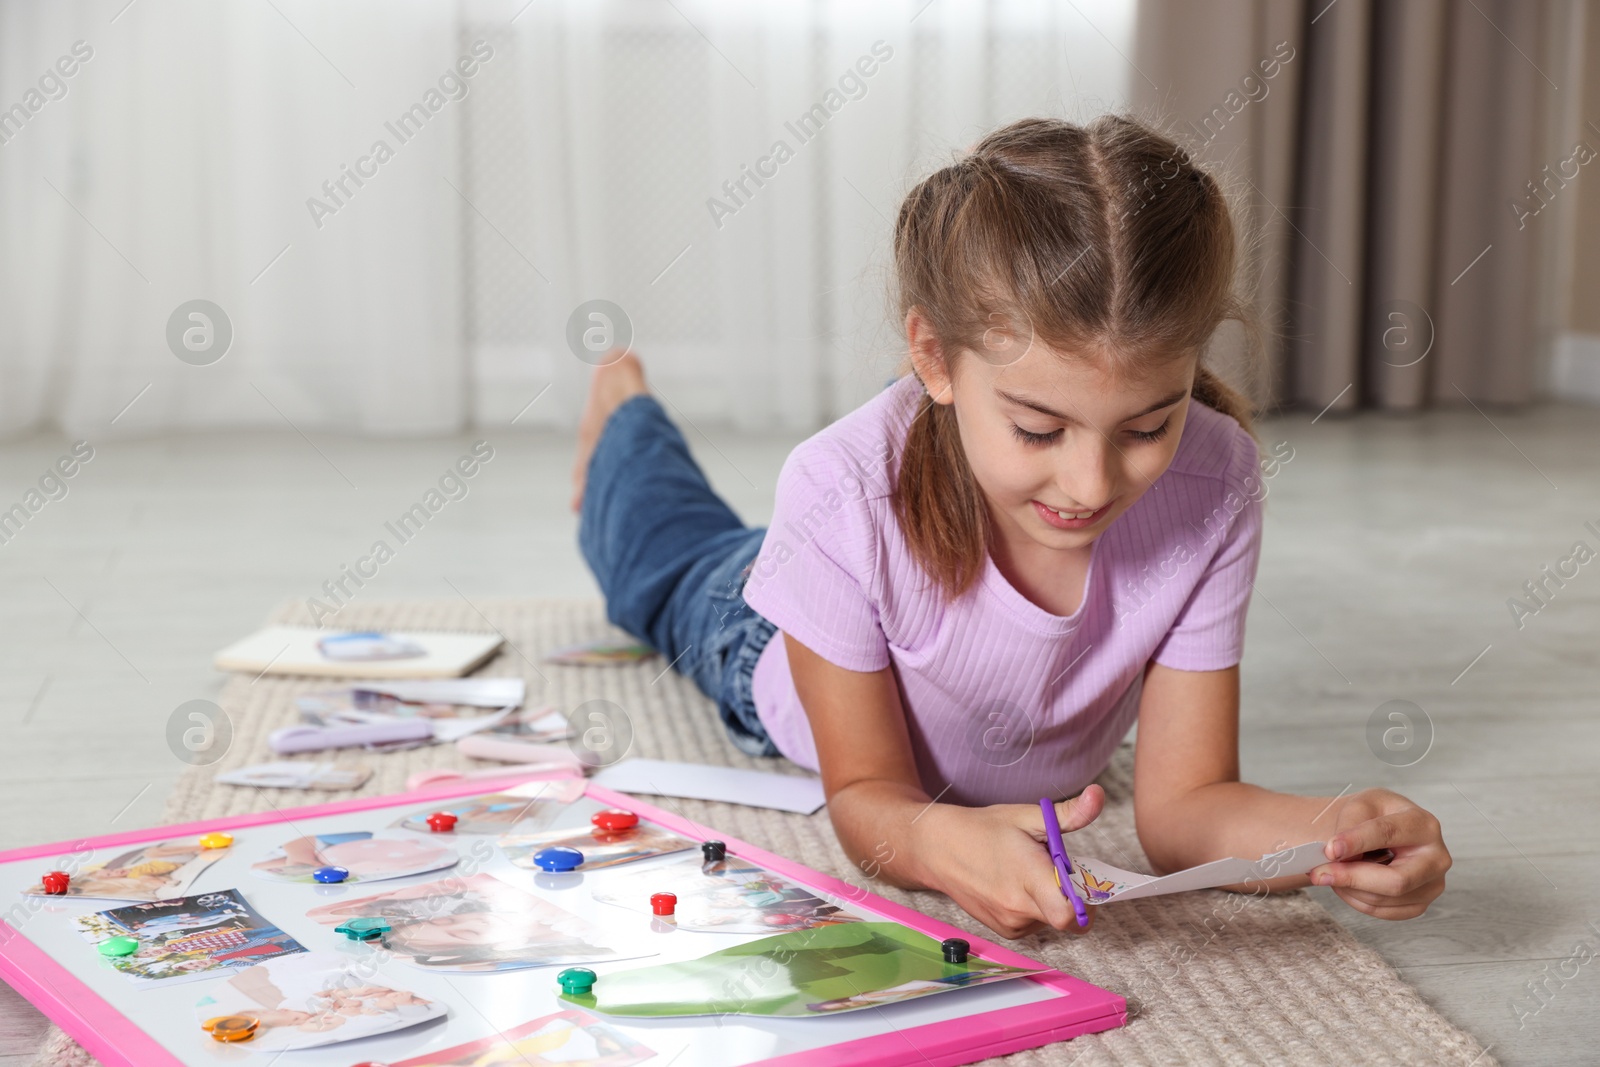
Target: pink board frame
[115, 1041]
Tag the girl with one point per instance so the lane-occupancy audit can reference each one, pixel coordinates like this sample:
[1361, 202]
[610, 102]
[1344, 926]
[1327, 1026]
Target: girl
[974, 583]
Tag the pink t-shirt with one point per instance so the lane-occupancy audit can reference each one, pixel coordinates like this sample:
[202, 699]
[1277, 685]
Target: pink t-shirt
[1006, 703]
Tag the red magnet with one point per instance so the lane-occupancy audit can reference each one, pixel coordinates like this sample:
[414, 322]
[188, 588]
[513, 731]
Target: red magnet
[56, 882]
[663, 903]
[442, 822]
[615, 819]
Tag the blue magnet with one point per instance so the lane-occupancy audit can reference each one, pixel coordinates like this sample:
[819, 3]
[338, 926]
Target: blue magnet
[330, 874]
[558, 858]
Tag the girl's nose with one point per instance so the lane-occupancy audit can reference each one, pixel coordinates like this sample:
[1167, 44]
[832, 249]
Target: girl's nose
[1090, 475]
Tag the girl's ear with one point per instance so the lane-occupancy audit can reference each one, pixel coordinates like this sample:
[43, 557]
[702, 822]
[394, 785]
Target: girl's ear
[927, 358]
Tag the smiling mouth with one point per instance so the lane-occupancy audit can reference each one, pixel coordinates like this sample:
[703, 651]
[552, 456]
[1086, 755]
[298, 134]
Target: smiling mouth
[1062, 519]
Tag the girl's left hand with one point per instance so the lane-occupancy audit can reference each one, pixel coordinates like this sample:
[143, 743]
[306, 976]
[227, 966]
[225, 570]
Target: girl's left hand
[1375, 820]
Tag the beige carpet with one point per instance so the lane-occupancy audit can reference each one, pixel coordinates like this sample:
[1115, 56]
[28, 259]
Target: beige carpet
[1210, 977]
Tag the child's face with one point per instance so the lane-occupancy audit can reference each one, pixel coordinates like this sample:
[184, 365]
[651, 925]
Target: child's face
[1047, 433]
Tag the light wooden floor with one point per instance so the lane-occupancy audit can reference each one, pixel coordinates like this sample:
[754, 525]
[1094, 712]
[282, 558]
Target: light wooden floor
[1392, 546]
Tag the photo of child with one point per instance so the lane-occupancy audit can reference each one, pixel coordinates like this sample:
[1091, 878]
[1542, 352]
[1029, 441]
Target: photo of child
[188, 937]
[157, 871]
[367, 857]
[356, 647]
[567, 1039]
[726, 897]
[313, 999]
[476, 924]
[600, 848]
[531, 808]
[797, 975]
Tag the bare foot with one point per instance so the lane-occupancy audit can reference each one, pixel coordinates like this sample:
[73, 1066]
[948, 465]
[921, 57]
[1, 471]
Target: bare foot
[612, 383]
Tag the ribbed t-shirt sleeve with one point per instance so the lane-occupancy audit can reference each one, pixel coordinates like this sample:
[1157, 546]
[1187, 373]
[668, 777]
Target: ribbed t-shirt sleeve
[814, 576]
[1208, 634]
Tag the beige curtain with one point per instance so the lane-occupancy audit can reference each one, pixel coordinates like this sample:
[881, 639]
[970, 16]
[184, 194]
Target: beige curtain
[1378, 168]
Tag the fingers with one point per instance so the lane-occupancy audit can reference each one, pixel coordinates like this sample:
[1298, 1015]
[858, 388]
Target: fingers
[1411, 869]
[1033, 903]
[1081, 810]
[1392, 908]
[1055, 908]
[1423, 895]
[1073, 814]
[1391, 830]
[1402, 889]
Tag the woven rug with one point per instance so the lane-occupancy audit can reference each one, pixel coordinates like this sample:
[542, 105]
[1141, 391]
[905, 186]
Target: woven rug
[1210, 977]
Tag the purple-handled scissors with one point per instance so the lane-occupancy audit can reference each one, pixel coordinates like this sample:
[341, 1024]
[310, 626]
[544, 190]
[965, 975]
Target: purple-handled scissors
[1058, 856]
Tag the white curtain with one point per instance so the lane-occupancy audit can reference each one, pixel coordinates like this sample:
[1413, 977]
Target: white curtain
[627, 117]
[578, 166]
[177, 166]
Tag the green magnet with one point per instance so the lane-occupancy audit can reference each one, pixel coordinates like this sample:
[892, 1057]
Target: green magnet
[364, 929]
[119, 946]
[576, 981]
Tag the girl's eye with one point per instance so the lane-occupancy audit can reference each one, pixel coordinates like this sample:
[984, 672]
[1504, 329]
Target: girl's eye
[1029, 438]
[1152, 435]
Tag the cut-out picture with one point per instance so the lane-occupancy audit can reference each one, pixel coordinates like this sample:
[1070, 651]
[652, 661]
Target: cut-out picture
[728, 897]
[600, 848]
[541, 725]
[158, 871]
[477, 924]
[800, 974]
[531, 808]
[1095, 890]
[368, 857]
[335, 707]
[605, 652]
[567, 1039]
[315, 998]
[1101, 883]
[367, 646]
[188, 938]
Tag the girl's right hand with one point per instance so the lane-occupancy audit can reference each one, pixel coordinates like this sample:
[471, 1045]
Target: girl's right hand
[995, 863]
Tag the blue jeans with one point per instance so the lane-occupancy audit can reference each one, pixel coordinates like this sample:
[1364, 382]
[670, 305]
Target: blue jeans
[672, 560]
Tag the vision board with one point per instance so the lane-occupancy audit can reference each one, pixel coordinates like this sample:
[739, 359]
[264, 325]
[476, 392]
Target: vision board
[365, 933]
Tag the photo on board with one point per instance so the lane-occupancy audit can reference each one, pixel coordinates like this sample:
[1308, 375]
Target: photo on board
[313, 999]
[799, 974]
[600, 847]
[477, 924]
[188, 938]
[156, 871]
[366, 857]
[565, 1039]
[729, 896]
[531, 808]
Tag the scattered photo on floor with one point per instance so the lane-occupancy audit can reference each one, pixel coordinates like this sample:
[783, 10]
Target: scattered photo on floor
[313, 999]
[188, 938]
[368, 646]
[478, 924]
[567, 1039]
[729, 897]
